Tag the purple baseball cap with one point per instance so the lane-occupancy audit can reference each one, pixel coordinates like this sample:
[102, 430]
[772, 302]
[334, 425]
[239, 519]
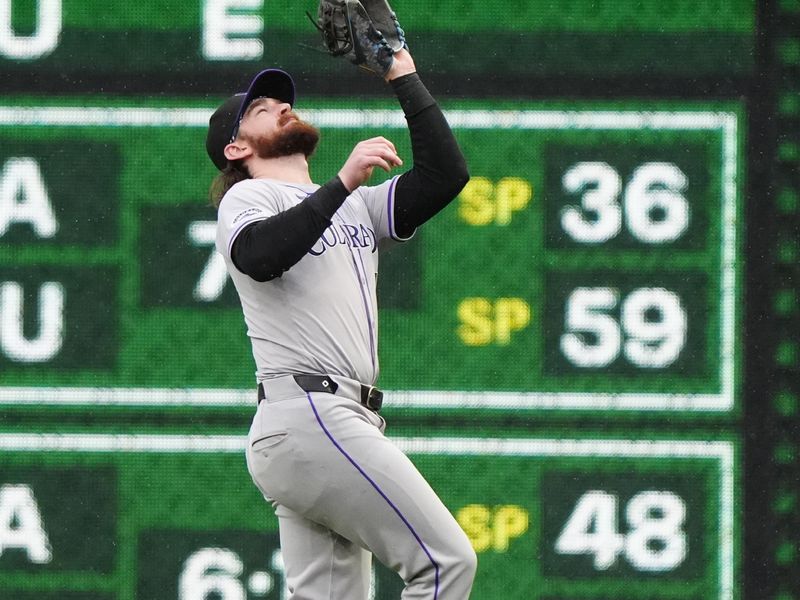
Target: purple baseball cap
[224, 123]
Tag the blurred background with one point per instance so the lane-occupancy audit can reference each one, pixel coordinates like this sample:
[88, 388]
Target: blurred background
[592, 353]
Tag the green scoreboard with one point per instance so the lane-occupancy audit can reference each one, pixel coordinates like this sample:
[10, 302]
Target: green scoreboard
[562, 348]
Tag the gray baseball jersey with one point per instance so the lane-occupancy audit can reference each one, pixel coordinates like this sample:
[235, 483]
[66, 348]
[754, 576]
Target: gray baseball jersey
[321, 315]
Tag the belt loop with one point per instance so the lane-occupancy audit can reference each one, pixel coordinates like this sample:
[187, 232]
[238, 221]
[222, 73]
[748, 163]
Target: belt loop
[371, 397]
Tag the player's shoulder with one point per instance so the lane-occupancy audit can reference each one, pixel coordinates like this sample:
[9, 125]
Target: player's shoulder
[247, 187]
[261, 187]
[250, 192]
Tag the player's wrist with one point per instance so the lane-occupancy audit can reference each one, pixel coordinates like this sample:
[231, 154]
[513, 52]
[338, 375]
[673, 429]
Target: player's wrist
[347, 182]
[403, 64]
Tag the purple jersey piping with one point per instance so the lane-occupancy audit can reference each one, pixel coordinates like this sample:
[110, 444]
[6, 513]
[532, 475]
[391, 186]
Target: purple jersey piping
[390, 201]
[382, 494]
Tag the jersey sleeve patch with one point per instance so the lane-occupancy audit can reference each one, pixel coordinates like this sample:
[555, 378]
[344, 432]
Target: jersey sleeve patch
[245, 214]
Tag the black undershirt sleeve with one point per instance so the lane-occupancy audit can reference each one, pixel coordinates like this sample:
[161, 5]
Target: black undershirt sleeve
[265, 249]
[439, 172]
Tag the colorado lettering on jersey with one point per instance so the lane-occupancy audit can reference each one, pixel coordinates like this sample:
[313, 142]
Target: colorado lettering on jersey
[354, 236]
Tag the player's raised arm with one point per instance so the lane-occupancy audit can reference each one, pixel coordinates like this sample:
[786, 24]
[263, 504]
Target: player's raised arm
[368, 34]
[439, 171]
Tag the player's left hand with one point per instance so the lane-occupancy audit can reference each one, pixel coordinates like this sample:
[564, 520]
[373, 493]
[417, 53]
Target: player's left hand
[366, 32]
[366, 155]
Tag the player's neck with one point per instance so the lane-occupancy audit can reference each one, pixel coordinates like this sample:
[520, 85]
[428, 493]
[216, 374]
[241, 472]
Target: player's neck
[292, 169]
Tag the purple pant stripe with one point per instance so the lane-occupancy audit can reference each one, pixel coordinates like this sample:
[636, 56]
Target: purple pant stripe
[382, 494]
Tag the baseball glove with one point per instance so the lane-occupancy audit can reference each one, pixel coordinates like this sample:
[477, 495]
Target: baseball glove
[366, 33]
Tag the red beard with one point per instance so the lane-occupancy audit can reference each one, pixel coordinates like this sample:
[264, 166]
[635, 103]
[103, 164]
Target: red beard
[297, 137]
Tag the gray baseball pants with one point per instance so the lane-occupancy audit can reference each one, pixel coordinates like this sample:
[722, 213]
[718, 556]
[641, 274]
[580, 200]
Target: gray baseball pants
[342, 492]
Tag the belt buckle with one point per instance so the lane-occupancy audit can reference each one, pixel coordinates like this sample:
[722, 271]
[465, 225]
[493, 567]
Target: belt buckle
[372, 397]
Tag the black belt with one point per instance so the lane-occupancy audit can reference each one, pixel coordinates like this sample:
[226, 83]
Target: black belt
[371, 397]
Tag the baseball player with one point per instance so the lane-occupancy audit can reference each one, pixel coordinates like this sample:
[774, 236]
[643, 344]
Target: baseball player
[304, 260]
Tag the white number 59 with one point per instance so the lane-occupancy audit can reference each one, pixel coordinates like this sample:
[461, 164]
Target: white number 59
[652, 320]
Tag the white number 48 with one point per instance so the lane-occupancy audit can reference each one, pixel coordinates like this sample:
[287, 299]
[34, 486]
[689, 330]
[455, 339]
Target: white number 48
[655, 540]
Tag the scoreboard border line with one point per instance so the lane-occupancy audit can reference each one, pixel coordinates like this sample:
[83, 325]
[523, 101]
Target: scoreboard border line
[725, 122]
[721, 451]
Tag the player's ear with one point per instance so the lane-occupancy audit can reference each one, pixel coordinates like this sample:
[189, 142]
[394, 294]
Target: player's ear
[237, 150]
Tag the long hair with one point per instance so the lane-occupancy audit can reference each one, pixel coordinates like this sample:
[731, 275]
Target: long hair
[230, 176]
